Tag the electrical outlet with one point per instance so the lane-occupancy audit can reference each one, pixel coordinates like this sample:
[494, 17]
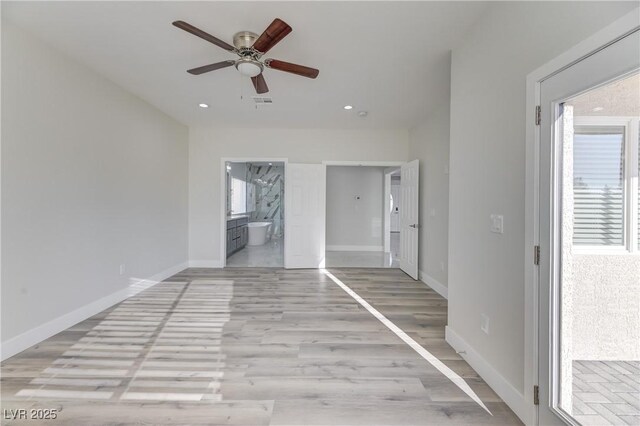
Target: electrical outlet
[122, 269]
[497, 223]
[484, 323]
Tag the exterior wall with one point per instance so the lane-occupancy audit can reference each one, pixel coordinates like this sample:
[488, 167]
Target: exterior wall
[606, 307]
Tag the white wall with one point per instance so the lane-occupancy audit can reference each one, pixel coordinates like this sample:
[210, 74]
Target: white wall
[487, 163]
[92, 177]
[429, 142]
[355, 224]
[207, 145]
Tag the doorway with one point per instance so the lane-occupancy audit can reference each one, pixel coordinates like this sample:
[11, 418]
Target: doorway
[254, 213]
[358, 224]
[589, 244]
[407, 258]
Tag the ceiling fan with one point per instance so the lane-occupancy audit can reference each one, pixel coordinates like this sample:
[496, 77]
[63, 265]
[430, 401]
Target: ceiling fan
[250, 48]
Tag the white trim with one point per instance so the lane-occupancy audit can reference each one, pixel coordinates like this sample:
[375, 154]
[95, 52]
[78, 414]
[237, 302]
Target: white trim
[206, 264]
[386, 212]
[634, 183]
[603, 38]
[387, 206]
[596, 42]
[354, 248]
[505, 390]
[223, 203]
[436, 285]
[37, 334]
[364, 163]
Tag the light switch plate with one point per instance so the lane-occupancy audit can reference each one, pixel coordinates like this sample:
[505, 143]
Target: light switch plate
[484, 323]
[497, 223]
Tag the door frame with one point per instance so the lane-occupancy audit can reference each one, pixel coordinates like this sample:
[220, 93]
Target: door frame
[387, 207]
[600, 40]
[223, 193]
[389, 165]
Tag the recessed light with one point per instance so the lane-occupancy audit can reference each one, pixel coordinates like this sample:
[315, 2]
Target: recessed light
[203, 105]
[597, 109]
[362, 113]
[348, 107]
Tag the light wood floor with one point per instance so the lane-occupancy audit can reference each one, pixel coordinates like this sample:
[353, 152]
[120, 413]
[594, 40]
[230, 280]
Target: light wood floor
[254, 347]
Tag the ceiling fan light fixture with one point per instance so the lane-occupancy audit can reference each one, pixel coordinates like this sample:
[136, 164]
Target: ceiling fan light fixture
[249, 68]
[250, 48]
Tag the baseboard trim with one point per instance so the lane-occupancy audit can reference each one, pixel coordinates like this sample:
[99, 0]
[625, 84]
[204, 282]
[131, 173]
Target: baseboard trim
[355, 248]
[510, 395]
[37, 334]
[437, 286]
[205, 264]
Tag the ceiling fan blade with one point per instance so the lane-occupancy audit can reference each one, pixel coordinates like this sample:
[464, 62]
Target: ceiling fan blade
[211, 67]
[272, 35]
[292, 68]
[260, 84]
[205, 36]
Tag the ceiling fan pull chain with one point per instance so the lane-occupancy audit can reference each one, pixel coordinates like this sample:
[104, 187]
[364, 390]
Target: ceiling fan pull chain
[241, 86]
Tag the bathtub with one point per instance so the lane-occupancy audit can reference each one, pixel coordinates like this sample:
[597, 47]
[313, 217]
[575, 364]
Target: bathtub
[258, 232]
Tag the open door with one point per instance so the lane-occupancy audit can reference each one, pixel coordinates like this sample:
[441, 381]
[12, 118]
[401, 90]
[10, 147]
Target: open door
[304, 222]
[589, 250]
[409, 178]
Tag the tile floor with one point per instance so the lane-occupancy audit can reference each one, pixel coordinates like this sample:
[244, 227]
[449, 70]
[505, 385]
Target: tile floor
[269, 255]
[366, 259]
[254, 346]
[606, 392]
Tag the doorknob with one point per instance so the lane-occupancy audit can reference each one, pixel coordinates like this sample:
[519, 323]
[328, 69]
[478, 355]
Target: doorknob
[415, 225]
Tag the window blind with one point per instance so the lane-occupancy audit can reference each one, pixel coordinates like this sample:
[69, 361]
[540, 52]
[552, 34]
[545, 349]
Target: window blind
[598, 185]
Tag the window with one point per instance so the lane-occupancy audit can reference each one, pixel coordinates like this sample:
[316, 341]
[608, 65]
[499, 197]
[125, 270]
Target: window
[238, 196]
[605, 173]
[598, 185]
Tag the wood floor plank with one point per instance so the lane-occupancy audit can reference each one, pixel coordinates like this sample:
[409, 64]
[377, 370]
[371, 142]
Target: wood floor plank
[255, 346]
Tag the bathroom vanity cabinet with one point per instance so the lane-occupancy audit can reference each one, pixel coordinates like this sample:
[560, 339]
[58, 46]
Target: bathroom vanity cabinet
[237, 234]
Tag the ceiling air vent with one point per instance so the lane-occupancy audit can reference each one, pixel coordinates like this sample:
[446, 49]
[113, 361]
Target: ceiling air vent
[261, 100]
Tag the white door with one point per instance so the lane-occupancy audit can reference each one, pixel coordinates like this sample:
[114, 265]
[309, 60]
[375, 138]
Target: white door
[304, 216]
[409, 225]
[577, 168]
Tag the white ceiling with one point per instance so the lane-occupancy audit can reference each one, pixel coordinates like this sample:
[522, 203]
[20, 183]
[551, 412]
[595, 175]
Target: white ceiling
[390, 59]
